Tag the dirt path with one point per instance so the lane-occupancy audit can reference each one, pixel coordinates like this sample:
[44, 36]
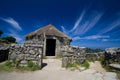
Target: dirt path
[97, 66]
[53, 71]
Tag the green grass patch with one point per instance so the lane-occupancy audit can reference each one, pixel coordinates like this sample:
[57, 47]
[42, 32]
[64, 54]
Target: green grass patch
[72, 65]
[9, 66]
[78, 65]
[33, 66]
[85, 64]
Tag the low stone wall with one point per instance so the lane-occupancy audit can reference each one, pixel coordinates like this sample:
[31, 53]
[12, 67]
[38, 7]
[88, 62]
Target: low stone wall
[26, 52]
[112, 55]
[75, 55]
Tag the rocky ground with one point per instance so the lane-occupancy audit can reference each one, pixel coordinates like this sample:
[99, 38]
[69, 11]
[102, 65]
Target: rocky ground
[52, 71]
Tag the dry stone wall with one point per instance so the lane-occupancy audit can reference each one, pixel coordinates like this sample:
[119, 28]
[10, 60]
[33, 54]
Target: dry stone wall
[26, 52]
[112, 55]
[73, 55]
[111, 59]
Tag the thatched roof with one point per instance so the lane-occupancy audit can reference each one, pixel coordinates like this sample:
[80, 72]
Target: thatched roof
[48, 30]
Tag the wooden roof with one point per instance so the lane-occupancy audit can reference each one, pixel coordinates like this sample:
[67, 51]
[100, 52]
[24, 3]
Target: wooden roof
[48, 30]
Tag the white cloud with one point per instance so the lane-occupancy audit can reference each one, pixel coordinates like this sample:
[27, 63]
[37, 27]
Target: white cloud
[92, 22]
[15, 34]
[76, 38]
[89, 24]
[64, 30]
[105, 40]
[110, 27]
[12, 22]
[95, 37]
[18, 38]
[78, 21]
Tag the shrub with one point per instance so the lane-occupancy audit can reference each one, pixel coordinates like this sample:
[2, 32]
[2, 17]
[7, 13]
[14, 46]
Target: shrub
[8, 64]
[32, 66]
[102, 60]
[85, 64]
[78, 65]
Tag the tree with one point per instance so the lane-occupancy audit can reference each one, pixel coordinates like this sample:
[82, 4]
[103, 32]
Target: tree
[1, 32]
[10, 39]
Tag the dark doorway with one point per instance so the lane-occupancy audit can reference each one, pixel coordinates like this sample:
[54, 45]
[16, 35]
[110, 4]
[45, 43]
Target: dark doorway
[50, 47]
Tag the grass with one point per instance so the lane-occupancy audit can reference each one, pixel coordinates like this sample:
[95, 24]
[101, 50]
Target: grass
[32, 66]
[107, 67]
[72, 65]
[9, 67]
[85, 64]
[78, 65]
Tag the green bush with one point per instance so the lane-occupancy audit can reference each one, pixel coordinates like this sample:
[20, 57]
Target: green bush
[78, 65]
[85, 64]
[102, 59]
[11, 66]
[8, 64]
[32, 66]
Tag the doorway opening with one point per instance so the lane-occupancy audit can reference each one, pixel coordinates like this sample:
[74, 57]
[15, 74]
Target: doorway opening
[50, 47]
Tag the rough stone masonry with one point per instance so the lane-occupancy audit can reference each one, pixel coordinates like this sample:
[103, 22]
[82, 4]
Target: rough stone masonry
[26, 52]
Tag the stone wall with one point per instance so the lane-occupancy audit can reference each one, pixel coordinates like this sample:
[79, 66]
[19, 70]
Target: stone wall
[112, 55]
[73, 55]
[26, 52]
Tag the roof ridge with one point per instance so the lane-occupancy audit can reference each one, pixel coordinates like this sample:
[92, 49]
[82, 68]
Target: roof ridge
[49, 30]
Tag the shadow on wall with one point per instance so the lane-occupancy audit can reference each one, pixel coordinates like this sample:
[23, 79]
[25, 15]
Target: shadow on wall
[4, 55]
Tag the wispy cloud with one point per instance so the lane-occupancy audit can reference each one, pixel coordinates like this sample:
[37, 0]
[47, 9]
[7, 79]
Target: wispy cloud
[89, 24]
[110, 27]
[76, 38]
[92, 37]
[95, 37]
[81, 28]
[78, 21]
[92, 22]
[12, 22]
[15, 34]
[64, 30]
[106, 40]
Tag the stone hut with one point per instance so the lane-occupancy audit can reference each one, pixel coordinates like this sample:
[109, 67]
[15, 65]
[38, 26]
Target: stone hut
[52, 40]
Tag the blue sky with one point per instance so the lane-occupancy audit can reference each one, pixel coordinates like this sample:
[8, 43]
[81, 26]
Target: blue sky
[90, 23]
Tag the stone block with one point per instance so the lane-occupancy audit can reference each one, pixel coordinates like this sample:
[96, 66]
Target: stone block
[24, 62]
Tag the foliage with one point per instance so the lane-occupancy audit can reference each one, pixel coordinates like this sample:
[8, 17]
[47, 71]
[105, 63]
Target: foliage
[85, 64]
[8, 63]
[15, 62]
[104, 64]
[91, 57]
[32, 66]
[102, 60]
[72, 65]
[7, 66]
[11, 66]
[10, 39]
[89, 50]
[78, 65]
